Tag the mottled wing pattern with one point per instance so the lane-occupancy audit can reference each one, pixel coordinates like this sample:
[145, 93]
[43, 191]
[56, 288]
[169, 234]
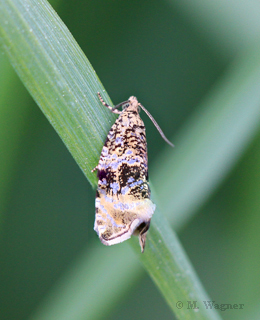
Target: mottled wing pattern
[123, 204]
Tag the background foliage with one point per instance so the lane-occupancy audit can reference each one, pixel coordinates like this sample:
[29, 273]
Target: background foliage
[188, 64]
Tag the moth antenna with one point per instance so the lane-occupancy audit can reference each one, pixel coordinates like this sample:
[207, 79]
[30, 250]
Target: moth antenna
[156, 125]
[120, 104]
[107, 105]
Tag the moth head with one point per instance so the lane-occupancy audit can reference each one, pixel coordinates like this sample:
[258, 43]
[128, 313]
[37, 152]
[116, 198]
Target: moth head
[132, 104]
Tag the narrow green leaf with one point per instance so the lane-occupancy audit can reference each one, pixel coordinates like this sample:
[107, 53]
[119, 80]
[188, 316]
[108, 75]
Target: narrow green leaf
[58, 76]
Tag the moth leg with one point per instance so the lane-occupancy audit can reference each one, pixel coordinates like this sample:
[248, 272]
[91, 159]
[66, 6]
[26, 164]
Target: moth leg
[107, 105]
[94, 169]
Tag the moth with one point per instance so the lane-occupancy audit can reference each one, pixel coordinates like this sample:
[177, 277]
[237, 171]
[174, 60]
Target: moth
[123, 204]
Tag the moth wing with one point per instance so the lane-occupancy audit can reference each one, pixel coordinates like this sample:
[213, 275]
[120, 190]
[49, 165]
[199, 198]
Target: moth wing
[116, 221]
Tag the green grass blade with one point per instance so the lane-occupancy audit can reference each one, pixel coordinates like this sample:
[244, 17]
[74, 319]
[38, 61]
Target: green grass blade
[58, 76]
[64, 85]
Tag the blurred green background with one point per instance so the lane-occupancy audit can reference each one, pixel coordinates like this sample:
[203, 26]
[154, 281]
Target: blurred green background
[171, 55]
